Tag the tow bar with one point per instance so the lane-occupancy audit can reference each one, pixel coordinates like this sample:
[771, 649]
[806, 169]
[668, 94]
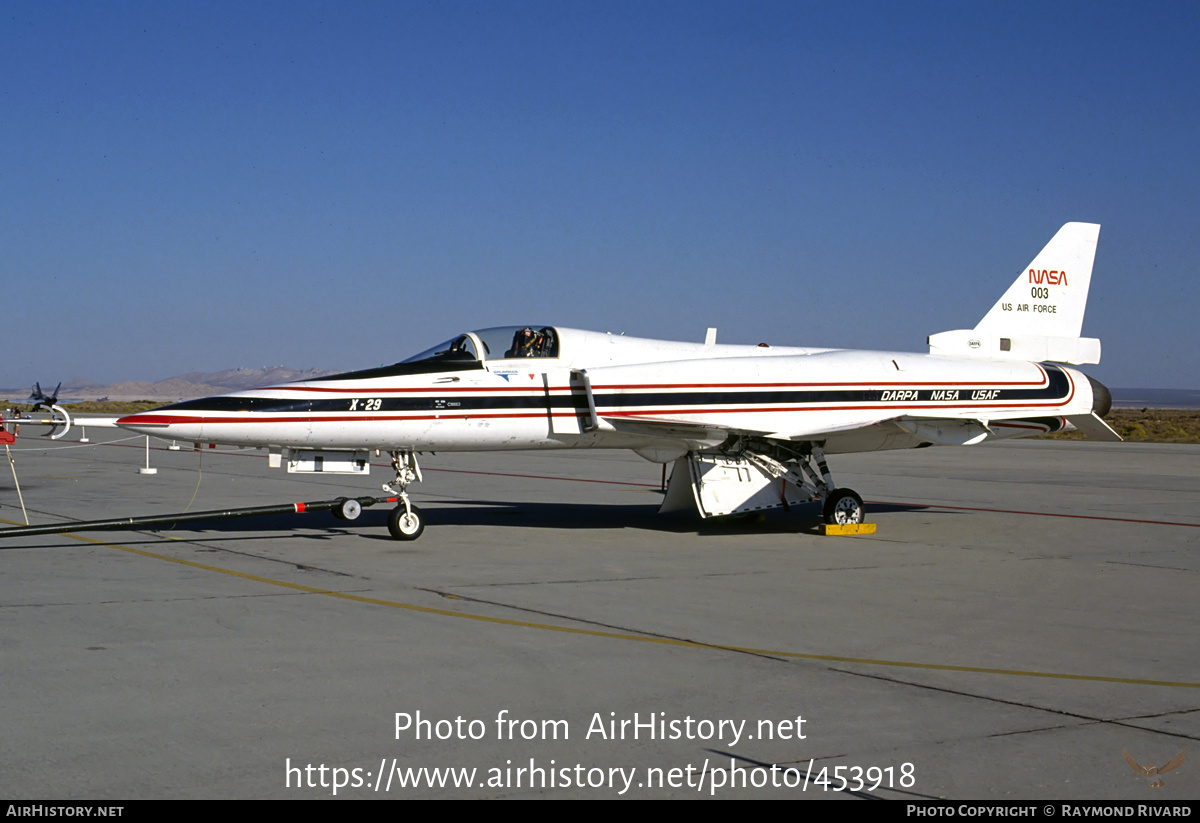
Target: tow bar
[343, 508]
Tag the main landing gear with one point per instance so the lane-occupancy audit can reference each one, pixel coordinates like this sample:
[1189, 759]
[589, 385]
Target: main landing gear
[843, 508]
[746, 475]
[811, 476]
[406, 522]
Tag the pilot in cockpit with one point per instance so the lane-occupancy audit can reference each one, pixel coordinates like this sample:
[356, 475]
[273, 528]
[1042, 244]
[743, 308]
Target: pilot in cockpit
[529, 343]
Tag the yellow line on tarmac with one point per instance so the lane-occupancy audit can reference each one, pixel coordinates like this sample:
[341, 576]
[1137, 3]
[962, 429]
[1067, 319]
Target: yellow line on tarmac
[866, 661]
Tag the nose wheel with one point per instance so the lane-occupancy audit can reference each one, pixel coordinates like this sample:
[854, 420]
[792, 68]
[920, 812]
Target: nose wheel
[406, 522]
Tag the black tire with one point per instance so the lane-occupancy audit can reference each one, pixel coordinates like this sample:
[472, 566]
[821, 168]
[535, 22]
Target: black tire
[347, 509]
[406, 525]
[843, 507]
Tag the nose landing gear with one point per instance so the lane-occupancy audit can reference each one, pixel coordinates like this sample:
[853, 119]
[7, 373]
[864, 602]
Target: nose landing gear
[406, 522]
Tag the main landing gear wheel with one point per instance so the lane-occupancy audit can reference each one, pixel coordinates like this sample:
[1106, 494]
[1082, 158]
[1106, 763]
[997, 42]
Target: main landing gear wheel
[843, 507]
[348, 509]
[406, 524]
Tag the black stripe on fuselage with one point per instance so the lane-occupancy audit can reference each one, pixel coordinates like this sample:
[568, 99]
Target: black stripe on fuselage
[1057, 387]
[446, 362]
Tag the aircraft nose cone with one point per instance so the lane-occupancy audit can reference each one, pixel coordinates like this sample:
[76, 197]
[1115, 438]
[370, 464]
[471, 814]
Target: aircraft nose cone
[1101, 398]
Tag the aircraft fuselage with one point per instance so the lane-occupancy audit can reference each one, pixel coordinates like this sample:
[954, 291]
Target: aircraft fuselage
[671, 404]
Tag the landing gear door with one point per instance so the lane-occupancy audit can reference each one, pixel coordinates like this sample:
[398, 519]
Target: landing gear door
[566, 401]
[733, 485]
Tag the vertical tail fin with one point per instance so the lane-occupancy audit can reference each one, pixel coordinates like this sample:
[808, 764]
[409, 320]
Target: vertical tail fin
[1050, 295]
[1041, 315]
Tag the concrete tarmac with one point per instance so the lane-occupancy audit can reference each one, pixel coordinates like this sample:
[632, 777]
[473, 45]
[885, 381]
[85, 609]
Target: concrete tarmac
[1025, 612]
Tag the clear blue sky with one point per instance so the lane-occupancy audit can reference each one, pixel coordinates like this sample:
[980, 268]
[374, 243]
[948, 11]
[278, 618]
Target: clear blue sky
[197, 186]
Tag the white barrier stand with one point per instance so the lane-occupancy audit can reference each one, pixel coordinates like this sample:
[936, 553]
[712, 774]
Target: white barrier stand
[147, 469]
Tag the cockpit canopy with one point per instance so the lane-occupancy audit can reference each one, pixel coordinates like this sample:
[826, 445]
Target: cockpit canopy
[498, 343]
[469, 351]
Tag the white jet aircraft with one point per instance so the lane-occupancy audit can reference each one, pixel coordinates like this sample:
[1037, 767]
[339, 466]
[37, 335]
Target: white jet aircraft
[747, 427]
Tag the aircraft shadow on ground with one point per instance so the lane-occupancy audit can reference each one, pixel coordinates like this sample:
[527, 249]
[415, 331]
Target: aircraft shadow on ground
[803, 519]
[549, 515]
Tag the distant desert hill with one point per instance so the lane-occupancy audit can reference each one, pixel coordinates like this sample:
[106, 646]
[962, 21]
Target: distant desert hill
[174, 389]
[252, 378]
